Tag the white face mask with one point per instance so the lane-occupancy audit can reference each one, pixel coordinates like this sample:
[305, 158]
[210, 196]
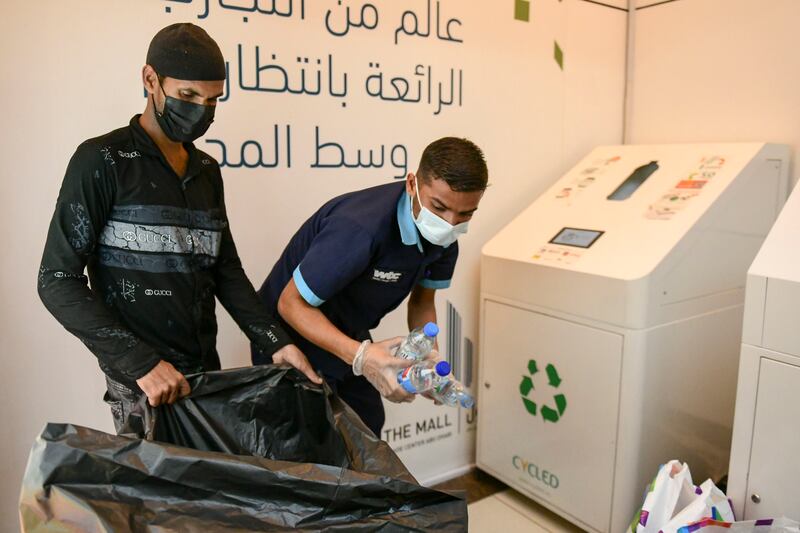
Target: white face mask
[435, 229]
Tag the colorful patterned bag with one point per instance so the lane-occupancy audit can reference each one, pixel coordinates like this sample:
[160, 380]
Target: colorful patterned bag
[777, 525]
[673, 504]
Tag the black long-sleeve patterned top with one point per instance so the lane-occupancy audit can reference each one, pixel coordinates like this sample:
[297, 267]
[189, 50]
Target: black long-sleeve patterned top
[158, 250]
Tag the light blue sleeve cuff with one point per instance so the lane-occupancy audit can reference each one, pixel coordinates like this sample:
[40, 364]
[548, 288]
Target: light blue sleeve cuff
[304, 290]
[434, 283]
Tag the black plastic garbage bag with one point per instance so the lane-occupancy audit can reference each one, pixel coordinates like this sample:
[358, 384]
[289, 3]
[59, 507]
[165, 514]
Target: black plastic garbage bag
[253, 449]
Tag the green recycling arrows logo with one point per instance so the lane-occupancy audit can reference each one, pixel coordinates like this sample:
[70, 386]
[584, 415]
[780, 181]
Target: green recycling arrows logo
[526, 387]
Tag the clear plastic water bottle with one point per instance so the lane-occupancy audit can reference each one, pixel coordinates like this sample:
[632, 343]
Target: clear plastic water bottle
[422, 376]
[419, 342]
[451, 392]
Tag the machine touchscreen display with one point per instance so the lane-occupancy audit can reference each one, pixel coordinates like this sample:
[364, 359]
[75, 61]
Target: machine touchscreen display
[582, 238]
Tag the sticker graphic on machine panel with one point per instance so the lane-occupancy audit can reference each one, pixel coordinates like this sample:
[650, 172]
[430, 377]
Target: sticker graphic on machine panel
[677, 198]
[526, 389]
[558, 254]
[585, 179]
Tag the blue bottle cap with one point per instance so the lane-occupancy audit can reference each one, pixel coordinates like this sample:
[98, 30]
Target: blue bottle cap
[443, 368]
[431, 329]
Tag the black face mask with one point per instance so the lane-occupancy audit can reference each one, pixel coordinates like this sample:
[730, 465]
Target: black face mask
[183, 121]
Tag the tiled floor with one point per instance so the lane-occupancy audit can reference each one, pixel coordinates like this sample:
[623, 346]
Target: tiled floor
[510, 512]
[477, 483]
[494, 508]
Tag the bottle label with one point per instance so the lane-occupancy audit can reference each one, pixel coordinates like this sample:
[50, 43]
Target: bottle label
[404, 379]
[404, 354]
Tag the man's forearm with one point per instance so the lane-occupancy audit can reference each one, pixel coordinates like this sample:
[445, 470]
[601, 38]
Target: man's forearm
[421, 309]
[420, 314]
[313, 325]
[82, 313]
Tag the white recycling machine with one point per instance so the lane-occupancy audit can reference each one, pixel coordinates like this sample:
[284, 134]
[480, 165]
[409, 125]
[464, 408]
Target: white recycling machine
[764, 479]
[611, 318]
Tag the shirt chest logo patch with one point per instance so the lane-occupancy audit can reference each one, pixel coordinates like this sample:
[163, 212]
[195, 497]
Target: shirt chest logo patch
[386, 276]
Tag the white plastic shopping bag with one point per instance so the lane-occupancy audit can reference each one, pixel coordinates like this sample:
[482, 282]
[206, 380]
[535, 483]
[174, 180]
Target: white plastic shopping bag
[673, 504]
[709, 502]
[670, 490]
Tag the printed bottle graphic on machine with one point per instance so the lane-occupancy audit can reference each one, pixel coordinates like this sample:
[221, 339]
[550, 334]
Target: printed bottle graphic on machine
[634, 181]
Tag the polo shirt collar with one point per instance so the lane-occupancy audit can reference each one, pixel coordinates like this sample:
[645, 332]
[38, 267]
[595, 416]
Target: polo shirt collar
[408, 229]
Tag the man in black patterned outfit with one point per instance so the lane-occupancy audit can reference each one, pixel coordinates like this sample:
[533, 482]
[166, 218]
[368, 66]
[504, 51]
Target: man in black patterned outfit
[143, 211]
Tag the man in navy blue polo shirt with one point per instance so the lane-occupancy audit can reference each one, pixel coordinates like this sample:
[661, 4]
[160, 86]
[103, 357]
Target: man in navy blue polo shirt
[359, 256]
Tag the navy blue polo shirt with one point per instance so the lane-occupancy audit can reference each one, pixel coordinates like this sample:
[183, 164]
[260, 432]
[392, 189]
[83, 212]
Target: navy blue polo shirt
[356, 259]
